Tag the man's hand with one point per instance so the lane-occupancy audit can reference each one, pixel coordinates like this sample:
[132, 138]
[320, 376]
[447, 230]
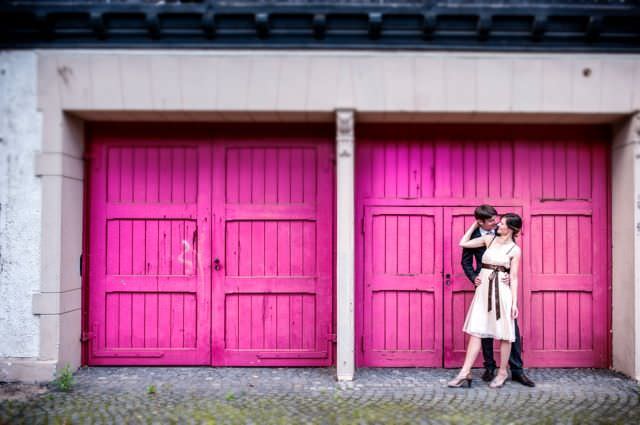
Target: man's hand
[506, 279]
[476, 281]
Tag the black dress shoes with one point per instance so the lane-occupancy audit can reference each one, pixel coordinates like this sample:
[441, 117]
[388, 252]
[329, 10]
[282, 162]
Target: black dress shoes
[488, 375]
[523, 379]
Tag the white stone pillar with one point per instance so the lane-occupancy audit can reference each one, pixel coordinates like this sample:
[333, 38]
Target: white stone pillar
[345, 143]
[625, 197]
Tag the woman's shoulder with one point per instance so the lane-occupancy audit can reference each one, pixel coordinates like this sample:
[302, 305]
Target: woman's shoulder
[515, 250]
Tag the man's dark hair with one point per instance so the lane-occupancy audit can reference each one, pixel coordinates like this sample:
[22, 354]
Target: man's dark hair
[485, 212]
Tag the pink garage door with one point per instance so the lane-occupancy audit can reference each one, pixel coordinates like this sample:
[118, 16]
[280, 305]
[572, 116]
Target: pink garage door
[210, 249]
[417, 187]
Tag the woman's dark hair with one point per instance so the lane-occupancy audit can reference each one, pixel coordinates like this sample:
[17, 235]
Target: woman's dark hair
[514, 222]
[485, 212]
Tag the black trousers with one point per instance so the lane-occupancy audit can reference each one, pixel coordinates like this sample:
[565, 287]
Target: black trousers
[515, 357]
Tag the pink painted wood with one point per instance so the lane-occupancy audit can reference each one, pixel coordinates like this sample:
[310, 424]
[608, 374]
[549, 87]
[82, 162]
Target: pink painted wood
[165, 207]
[555, 177]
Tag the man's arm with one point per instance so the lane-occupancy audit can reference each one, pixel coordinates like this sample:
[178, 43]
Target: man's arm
[467, 264]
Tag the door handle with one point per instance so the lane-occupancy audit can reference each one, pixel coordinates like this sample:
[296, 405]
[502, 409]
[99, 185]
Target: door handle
[216, 264]
[447, 279]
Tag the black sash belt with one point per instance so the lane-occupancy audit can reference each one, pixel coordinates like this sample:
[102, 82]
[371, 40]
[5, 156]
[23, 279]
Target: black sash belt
[493, 282]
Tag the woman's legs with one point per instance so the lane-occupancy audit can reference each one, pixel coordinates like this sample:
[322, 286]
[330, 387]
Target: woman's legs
[472, 353]
[505, 352]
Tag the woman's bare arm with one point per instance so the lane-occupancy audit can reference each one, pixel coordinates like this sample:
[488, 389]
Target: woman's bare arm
[513, 277]
[467, 242]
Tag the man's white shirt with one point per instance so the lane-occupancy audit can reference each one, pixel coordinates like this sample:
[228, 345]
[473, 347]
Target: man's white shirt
[486, 232]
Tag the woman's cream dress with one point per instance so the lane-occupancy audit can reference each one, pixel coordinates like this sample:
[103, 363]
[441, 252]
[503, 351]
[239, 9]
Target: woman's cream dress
[480, 322]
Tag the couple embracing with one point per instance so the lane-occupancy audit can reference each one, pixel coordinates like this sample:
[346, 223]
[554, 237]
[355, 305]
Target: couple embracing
[493, 310]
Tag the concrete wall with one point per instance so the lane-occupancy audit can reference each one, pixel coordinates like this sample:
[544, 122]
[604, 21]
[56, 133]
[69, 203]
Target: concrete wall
[20, 206]
[75, 86]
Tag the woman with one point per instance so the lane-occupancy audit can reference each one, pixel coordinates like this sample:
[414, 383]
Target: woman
[495, 305]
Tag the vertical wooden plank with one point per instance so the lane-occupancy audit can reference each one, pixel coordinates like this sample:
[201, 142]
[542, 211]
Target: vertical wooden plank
[244, 321]
[284, 245]
[258, 251]
[390, 170]
[403, 237]
[232, 175]
[112, 326]
[296, 322]
[126, 246]
[309, 176]
[151, 321]
[125, 321]
[309, 326]
[404, 325]
[560, 170]
[428, 245]
[586, 321]
[415, 320]
[428, 321]
[457, 171]
[191, 175]
[309, 245]
[297, 175]
[442, 170]
[573, 328]
[271, 248]
[190, 320]
[257, 321]
[153, 175]
[296, 248]
[549, 322]
[586, 245]
[378, 170]
[190, 247]
[271, 176]
[139, 242]
[537, 321]
[270, 323]
[548, 171]
[283, 331]
[572, 170]
[562, 318]
[536, 244]
[284, 176]
[166, 175]
[506, 169]
[244, 248]
[469, 171]
[584, 164]
[114, 170]
[483, 165]
[560, 234]
[391, 248]
[548, 244]
[138, 316]
[376, 328]
[177, 247]
[258, 187]
[495, 168]
[139, 175]
[127, 174]
[231, 322]
[164, 320]
[151, 247]
[378, 242]
[415, 171]
[245, 170]
[113, 247]
[535, 168]
[402, 170]
[177, 320]
[573, 245]
[231, 249]
[459, 313]
[415, 244]
[390, 320]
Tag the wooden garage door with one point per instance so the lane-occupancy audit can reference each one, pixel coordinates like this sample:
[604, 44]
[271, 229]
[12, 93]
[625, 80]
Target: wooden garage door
[211, 249]
[554, 176]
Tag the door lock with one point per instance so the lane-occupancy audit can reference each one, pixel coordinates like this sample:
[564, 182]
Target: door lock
[447, 279]
[216, 264]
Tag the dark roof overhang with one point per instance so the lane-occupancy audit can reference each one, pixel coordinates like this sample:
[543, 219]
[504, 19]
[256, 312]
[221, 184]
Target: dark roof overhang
[512, 25]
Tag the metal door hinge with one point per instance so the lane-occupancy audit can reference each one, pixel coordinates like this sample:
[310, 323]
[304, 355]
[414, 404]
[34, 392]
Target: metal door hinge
[86, 336]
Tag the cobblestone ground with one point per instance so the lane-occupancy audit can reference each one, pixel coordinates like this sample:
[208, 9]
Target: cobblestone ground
[308, 395]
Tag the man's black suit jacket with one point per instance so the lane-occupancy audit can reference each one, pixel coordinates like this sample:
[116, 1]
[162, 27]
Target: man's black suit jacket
[468, 254]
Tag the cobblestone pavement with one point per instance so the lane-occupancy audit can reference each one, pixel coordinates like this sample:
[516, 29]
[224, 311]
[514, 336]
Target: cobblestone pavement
[309, 395]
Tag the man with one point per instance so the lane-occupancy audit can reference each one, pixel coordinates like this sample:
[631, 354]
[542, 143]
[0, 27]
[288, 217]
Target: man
[487, 217]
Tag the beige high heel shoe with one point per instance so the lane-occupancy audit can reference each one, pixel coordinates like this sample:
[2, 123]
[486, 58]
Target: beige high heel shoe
[498, 382]
[460, 381]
